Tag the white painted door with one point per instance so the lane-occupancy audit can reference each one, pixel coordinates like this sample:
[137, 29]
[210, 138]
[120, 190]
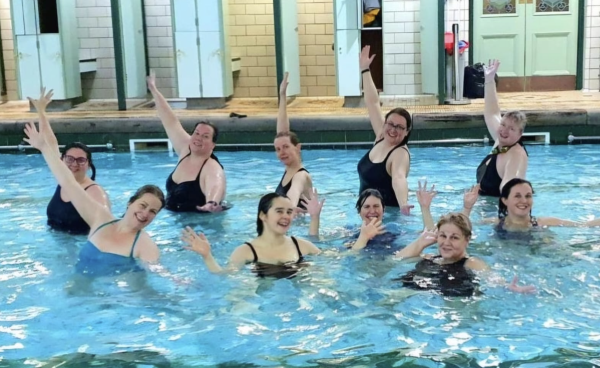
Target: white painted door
[133, 48]
[429, 47]
[211, 65]
[28, 65]
[184, 14]
[347, 47]
[187, 61]
[210, 15]
[290, 44]
[51, 64]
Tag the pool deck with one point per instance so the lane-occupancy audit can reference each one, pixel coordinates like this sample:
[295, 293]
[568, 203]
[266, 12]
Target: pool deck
[561, 113]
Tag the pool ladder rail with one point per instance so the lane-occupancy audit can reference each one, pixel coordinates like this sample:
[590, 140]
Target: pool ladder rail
[23, 146]
[571, 138]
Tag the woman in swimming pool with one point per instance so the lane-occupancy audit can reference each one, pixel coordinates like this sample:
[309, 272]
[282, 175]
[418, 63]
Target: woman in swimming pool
[61, 213]
[385, 167]
[113, 244]
[515, 207]
[452, 271]
[297, 179]
[272, 252]
[198, 183]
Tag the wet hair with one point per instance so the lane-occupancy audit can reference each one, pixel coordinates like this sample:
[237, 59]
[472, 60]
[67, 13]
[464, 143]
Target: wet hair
[213, 126]
[264, 205]
[149, 189]
[293, 137]
[459, 220]
[85, 149]
[406, 115]
[506, 189]
[518, 117]
[366, 194]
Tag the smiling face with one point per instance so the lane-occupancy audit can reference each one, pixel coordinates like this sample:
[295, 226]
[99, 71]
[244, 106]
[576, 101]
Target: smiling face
[202, 140]
[371, 208]
[395, 129]
[520, 201]
[278, 218]
[77, 161]
[287, 152]
[143, 210]
[509, 132]
[452, 242]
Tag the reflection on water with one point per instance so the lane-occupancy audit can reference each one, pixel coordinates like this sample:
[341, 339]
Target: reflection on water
[343, 309]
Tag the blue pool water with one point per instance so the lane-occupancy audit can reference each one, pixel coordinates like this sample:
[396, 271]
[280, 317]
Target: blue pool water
[343, 311]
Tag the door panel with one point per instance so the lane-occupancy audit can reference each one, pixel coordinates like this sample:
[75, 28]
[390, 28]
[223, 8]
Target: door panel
[505, 47]
[185, 13]
[29, 66]
[347, 14]
[429, 47]
[53, 76]
[133, 48]
[540, 63]
[290, 44]
[209, 12]
[347, 51]
[211, 65]
[188, 73]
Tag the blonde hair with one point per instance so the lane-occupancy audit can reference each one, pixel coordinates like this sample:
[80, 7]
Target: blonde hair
[518, 117]
[459, 220]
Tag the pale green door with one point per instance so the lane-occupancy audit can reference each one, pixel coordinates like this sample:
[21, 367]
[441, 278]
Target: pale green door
[535, 40]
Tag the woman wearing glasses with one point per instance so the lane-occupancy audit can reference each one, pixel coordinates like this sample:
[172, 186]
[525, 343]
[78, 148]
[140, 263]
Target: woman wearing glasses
[62, 215]
[385, 167]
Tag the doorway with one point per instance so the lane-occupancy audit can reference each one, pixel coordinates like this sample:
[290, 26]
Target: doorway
[536, 42]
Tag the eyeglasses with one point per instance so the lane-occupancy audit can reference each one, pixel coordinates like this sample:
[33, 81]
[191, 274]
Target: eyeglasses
[80, 160]
[399, 128]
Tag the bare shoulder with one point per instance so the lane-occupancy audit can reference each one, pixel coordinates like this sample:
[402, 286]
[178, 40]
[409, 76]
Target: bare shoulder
[213, 166]
[242, 254]
[476, 264]
[146, 249]
[307, 247]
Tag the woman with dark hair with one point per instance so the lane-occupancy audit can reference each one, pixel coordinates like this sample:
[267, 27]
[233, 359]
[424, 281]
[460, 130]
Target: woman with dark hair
[198, 181]
[113, 244]
[453, 271]
[61, 213]
[385, 167]
[272, 252]
[515, 209]
[297, 179]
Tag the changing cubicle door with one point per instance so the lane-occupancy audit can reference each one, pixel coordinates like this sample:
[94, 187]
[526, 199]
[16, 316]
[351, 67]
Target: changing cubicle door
[290, 44]
[28, 63]
[187, 61]
[51, 65]
[134, 53]
[212, 65]
[347, 46]
[429, 47]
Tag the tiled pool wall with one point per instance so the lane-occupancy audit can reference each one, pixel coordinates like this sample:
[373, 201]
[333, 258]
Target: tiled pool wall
[321, 130]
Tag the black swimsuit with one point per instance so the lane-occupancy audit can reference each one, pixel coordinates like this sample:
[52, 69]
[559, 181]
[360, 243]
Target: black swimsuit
[185, 196]
[286, 270]
[63, 216]
[375, 176]
[284, 189]
[452, 279]
[487, 173]
[523, 237]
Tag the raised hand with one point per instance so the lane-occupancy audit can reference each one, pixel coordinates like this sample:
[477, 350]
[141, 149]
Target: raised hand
[44, 100]
[210, 207]
[427, 238]
[366, 60]
[151, 81]
[424, 196]
[197, 242]
[34, 138]
[471, 196]
[284, 85]
[491, 69]
[312, 204]
[371, 229]
[527, 289]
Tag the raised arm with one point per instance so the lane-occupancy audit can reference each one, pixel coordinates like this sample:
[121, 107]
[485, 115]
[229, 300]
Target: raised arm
[516, 166]
[554, 221]
[425, 198]
[91, 211]
[40, 106]
[199, 244]
[400, 165]
[283, 122]
[314, 207]
[415, 248]
[215, 182]
[491, 112]
[178, 136]
[370, 91]
[301, 180]
[469, 200]
[593, 223]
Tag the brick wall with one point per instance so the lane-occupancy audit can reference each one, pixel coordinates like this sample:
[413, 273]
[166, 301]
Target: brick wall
[591, 65]
[8, 51]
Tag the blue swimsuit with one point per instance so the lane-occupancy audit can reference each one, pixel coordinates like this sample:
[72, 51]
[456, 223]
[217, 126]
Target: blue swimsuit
[94, 262]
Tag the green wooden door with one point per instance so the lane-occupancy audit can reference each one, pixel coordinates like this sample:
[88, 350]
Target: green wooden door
[535, 40]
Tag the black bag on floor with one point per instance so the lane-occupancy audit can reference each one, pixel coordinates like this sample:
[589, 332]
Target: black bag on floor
[475, 81]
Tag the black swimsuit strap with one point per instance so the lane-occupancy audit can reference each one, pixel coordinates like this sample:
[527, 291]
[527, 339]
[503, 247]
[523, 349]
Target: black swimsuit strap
[91, 185]
[253, 251]
[392, 150]
[297, 246]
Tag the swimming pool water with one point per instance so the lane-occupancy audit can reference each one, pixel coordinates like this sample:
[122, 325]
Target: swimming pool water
[343, 311]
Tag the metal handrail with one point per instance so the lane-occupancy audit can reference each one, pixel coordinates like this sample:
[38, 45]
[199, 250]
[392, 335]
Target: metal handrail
[484, 140]
[572, 138]
[23, 147]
